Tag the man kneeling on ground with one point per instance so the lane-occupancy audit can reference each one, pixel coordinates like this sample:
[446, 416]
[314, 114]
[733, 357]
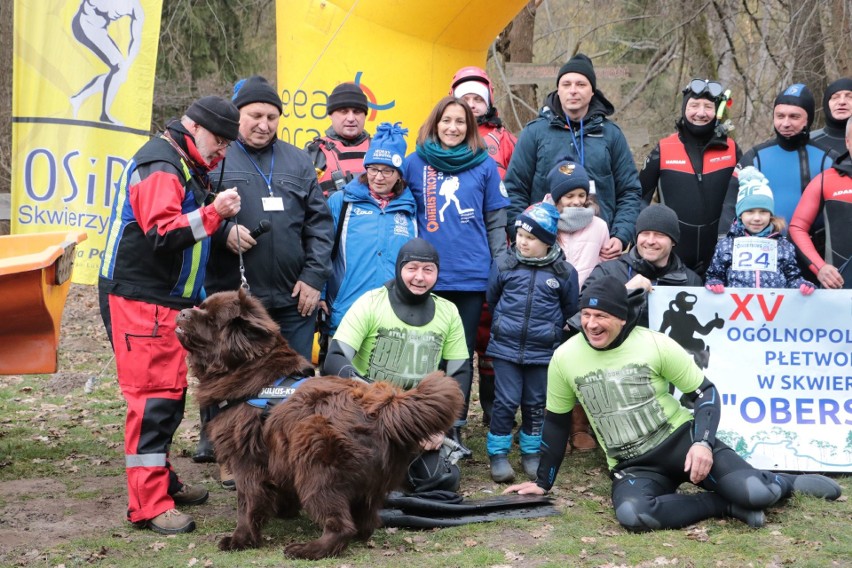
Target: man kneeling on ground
[652, 443]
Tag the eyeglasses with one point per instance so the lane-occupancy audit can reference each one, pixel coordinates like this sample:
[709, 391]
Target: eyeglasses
[701, 86]
[383, 172]
[220, 142]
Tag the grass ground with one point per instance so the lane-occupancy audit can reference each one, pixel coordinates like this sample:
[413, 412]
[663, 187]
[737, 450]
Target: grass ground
[62, 497]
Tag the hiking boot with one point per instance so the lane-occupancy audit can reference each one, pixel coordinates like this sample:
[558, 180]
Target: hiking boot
[529, 463]
[172, 522]
[189, 495]
[501, 469]
[753, 518]
[226, 478]
[581, 436]
[816, 486]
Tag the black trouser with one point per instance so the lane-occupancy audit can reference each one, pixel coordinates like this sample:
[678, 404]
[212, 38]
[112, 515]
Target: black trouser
[644, 489]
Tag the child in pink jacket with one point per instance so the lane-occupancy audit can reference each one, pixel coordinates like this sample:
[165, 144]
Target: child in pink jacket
[581, 234]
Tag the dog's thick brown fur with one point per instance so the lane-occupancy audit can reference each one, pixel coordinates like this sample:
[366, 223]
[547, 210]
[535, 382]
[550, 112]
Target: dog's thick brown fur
[334, 448]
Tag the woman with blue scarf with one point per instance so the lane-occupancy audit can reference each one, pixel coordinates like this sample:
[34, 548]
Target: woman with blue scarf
[461, 209]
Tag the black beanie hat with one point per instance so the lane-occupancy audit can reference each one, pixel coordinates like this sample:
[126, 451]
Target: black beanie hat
[581, 64]
[255, 89]
[661, 219]
[798, 95]
[346, 95]
[842, 84]
[607, 294]
[217, 115]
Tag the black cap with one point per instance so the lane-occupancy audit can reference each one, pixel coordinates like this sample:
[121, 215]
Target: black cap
[217, 115]
[346, 95]
[256, 89]
[607, 294]
[581, 64]
[661, 219]
[842, 84]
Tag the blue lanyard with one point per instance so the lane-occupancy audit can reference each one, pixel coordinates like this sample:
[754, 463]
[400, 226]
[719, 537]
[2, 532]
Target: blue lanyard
[267, 179]
[581, 147]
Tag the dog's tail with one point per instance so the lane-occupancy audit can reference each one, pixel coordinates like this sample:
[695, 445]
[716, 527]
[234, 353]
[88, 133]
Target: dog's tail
[409, 417]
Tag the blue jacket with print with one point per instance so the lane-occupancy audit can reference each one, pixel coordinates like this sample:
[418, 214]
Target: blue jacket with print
[530, 305]
[369, 244]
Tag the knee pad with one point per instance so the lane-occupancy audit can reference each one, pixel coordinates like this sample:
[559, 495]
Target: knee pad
[634, 516]
[750, 489]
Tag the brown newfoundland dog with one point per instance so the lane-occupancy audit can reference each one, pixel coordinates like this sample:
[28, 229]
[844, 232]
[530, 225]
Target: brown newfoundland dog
[334, 448]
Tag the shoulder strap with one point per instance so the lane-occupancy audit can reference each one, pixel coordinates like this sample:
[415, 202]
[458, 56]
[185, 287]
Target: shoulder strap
[335, 249]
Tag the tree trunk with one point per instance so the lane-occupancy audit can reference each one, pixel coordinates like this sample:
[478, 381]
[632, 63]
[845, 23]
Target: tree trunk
[808, 49]
[515, 44]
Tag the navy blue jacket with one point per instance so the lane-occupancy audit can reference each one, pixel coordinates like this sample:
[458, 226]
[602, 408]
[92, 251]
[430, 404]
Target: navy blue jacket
[595, 142]
[531, 305]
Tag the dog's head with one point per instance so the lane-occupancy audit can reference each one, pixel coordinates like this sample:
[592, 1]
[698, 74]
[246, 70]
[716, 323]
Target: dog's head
[225, 331]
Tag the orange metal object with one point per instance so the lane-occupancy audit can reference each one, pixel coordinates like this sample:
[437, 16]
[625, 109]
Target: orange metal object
[35, 275]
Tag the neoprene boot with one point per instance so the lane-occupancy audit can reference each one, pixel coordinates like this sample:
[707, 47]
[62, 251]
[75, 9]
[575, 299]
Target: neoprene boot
[529, 463]
[204, 450]
[501, 469]
[455, 435]
[581, 431]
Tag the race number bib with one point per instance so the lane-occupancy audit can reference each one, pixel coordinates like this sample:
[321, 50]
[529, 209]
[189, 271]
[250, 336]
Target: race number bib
[755, 253]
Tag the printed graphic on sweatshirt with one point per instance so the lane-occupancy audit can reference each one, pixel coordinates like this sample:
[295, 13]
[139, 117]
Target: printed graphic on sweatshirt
[623, 406]
[449, 188]
[404, 356]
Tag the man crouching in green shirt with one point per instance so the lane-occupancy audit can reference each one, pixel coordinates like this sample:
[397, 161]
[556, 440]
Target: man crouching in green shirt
[620, 373]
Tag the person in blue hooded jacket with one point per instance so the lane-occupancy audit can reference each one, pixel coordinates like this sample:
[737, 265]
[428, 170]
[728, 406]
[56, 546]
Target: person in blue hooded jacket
[532, 291]
[374, 216]
[574, 125]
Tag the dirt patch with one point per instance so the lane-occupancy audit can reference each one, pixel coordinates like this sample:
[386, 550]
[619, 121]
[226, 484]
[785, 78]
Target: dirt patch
[38, 513]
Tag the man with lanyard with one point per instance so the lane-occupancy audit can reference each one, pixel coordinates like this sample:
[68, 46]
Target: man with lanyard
[574, 125]
[690, 170]
[620, 373]
[339, 155]
[153, 267]
[652, 262]
[287, 265]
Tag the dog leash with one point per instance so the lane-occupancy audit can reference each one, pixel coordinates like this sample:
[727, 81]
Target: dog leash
[243, 281]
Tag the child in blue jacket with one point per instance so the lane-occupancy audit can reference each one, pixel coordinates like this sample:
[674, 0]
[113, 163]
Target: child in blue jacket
[532, 290]
[755, 254]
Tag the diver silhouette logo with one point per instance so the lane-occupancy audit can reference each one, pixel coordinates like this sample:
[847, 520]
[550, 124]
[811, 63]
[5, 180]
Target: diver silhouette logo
[449, 188]
[685, 325]
[90, 27]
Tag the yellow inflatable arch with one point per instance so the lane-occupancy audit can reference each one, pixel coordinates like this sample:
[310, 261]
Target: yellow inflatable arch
[402, 53]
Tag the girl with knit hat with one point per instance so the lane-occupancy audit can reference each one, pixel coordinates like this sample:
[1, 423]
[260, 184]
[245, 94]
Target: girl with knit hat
[582, 235]
[532, 291]
[755, 254]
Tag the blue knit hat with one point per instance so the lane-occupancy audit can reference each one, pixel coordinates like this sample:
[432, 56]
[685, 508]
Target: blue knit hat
[387, 146]
[754, 192]
[566, 176]
[541, 220]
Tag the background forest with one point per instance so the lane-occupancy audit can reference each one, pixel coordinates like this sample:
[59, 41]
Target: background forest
[644, 52]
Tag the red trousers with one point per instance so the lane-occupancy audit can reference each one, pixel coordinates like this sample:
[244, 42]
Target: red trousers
[152, 375]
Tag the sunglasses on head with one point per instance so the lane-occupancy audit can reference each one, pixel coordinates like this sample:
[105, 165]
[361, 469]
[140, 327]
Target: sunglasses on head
[701, 86]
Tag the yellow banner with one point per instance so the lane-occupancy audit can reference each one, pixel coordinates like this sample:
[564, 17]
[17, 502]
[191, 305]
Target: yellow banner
[402, 53]
[83, 84]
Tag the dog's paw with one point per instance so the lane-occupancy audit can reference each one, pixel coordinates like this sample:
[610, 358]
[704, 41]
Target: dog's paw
[307, 551]
[234, 543]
